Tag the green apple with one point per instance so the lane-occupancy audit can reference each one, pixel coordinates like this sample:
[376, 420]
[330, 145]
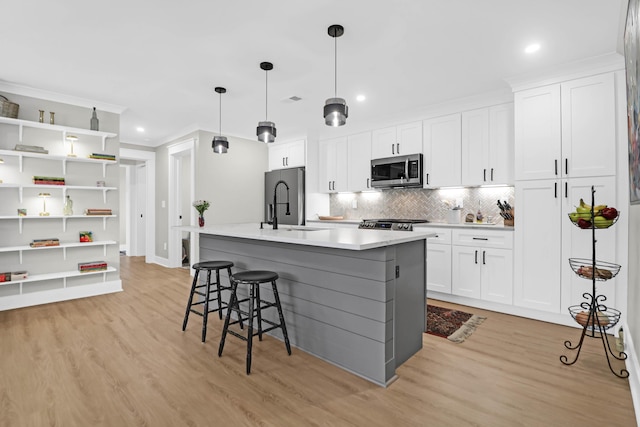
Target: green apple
[574, 216]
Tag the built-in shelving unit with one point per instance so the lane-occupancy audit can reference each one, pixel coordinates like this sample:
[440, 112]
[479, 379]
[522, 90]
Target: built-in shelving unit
[63, 217]
[21, 155]
[62, 246]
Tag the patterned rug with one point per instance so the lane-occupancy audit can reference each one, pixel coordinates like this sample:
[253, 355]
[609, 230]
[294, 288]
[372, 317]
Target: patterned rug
[454, 325]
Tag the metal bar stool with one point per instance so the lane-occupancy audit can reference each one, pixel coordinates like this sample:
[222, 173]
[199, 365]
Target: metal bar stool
[253, 279]
[196, 289]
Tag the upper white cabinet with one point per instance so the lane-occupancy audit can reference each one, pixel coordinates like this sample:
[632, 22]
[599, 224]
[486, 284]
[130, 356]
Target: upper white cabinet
[566, 129]
[287, 155]
[441, 150]
[487, 145]
[333, 165]
[359, 162]
[397, 140]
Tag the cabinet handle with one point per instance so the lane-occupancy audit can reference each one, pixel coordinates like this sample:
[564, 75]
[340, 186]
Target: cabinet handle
[368, 183]
[491, 174]
[393, 149]
[483, 258]
[555, 190]
[398, 148]
[566, 166]
[480, 238]
[283, 162]
[484, 175]
[566, 190]
[476, 257]
[329, 185]
[427, 179]
[556, 167]
[334, 185]
[287, 160]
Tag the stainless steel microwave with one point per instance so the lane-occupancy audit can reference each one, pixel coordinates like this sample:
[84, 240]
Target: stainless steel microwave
[398, 171]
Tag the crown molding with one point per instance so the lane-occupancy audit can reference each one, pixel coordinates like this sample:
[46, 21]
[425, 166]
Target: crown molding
[569, 71]
[58, 97]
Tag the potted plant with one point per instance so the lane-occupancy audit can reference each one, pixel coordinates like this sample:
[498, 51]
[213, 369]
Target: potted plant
[201, 206]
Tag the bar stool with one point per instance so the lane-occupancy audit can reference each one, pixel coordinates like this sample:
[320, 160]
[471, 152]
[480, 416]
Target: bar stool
[253, 278]
[195, 289]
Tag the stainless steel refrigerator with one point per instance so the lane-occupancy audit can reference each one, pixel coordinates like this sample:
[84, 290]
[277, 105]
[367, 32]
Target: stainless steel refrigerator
[294, 178]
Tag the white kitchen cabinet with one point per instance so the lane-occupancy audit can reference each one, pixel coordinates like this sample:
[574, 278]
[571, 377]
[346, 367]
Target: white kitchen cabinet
[487, 146]
[566, 130]
[442, 151]
[287, 155]
[333, 165]
[359, 162]
[397, 140]
[438, 260]
[545, 239]
[482, 265]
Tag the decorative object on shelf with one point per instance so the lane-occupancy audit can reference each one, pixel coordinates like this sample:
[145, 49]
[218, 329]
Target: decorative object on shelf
[41, 243]
[52, 120]
[469, 217]
[100, 183]
[220, 144]
[85, 267]
[19, 275]
[335, 109]
[266, 130]
[102, 156]
[98, 211]
[5, 277]
[31, 148]
[44, 203]
[41, 116]
[48, 180]
[22, 212]
[94, 120]
[86, 236]
[592, 314]
[71, 139]
[67, 209]
[8, 108]
[201, 206]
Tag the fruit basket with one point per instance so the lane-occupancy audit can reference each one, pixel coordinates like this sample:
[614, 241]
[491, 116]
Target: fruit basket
[583, 267]
[583, 220]
[606, 319]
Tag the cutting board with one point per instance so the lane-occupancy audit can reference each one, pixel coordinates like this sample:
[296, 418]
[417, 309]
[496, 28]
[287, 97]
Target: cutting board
[330, 218]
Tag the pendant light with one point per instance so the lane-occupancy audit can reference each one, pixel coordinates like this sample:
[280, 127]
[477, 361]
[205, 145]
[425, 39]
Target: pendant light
[220, 144]
[335, 109]
[266, 130]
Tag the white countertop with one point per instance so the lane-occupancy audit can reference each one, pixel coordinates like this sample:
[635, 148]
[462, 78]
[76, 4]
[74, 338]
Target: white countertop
[339, 238]
[496, 226]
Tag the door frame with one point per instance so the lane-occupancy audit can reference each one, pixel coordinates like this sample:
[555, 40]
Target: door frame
[149, 158]
[180, 149]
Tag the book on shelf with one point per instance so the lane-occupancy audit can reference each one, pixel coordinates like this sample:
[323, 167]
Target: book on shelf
[48, 180]
[31, 148]
[84, 267]
[19, 275]
[96, 211]
[86, 236]
[102, 156]
[5, 277]
[40, 243]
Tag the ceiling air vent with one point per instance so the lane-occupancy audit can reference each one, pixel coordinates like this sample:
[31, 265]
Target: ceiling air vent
[295, 98]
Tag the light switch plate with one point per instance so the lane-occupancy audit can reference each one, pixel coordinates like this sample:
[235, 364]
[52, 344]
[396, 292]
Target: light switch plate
[354, 204]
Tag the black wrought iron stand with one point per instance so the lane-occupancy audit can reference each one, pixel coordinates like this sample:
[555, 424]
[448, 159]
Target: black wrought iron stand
[593, 314]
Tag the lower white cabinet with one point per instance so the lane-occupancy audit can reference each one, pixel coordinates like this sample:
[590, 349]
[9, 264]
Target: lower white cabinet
[482, 265]
[439, 260]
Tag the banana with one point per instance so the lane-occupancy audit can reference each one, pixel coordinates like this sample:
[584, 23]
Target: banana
[598, 208]
[584, 205]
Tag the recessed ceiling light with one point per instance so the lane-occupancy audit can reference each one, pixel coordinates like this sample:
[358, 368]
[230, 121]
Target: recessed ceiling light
[360, 98]
[534, 47]
[140, 129]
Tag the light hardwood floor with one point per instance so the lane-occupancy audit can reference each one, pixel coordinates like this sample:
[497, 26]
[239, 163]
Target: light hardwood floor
[122, 360]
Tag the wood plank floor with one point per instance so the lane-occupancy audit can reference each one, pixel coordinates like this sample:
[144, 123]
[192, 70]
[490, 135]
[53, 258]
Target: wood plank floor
[122, 360]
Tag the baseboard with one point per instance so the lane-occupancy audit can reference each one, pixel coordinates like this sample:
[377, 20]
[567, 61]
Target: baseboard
[633, 366]
[161, 261]
[62, 294]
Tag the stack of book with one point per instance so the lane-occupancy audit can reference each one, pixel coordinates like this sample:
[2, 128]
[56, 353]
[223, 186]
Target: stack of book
[101, 156]
[39, 243]
[5, 277]
[97, 211]
[85, 267]
[48, 180]
[16, 275]
[31, 149]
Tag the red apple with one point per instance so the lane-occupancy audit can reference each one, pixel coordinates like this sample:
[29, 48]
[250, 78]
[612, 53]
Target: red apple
[609, 213]
[583, 223]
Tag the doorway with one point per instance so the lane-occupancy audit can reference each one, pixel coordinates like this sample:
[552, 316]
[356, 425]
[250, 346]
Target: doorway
[181, 246]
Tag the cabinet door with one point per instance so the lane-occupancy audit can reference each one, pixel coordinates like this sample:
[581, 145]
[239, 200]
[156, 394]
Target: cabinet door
[342, 165]
[409, 138]
[466, 271]
[537, 133]
[475, 147]
[588, 127]
[383, 143]
[359, 159]
[333, 165]
[277, 155]
[577, 243]
[441, 148]
[496, 282]
[438, 268]
[295, 155]
[537, 253]
[501, 144]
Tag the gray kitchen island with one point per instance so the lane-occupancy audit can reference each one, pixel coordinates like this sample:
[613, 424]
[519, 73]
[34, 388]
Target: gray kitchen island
[355, 298]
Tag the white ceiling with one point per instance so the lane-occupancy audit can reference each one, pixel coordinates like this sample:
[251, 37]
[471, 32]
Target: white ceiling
[161, 59]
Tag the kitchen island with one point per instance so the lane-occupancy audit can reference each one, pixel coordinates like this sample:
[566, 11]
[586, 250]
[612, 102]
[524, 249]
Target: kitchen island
[355, 298]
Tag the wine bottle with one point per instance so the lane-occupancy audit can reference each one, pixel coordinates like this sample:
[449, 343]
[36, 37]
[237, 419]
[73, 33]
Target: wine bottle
[94, 120]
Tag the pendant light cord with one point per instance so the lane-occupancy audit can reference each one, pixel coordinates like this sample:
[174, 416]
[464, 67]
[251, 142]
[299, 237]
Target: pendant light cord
[266, 96]
[335, 68]
[220, 116]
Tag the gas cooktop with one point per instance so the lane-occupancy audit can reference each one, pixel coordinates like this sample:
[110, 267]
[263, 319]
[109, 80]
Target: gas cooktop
[390, 224]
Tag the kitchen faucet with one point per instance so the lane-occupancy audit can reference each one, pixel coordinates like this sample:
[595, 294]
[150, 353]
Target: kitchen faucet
[275, 203]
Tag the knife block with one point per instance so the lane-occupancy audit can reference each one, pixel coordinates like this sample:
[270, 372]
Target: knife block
[509, 222]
